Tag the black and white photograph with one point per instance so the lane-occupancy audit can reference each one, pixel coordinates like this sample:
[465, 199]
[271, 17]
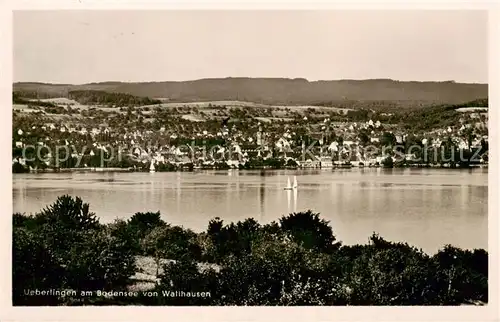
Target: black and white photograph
[250, 158]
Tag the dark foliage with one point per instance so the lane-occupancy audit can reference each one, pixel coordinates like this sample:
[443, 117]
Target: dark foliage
[144, 222]
[230, 240]
[309, 231]
[461, 274]
[106, 98]
[19, 168]
[295, 261]
[34, 267]
[17, 98]
[174, 243]
[68, 213]
[100, 260]
[73, 250]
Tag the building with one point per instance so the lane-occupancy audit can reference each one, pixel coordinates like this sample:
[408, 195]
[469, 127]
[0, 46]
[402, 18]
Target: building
[348, 143]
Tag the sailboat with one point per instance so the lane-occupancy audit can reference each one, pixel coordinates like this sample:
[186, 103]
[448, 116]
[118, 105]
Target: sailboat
[152, 167]
[295, 195]
[289, 186]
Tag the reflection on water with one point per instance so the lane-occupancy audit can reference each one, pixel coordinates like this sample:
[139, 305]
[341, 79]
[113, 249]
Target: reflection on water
[424, 207]
[262, 195]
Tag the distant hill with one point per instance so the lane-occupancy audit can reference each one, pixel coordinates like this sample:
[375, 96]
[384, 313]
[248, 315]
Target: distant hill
[282, 91]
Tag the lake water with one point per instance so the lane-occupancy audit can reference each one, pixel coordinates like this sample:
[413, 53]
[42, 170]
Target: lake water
[427, 208]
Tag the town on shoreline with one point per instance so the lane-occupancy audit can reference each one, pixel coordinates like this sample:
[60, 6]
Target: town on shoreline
[64, 135]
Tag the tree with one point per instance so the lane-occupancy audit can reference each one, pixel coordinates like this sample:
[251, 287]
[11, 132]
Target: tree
[63, 222]
[186, 276]
[388, 162]
[412, 141]
[33, 267]
[387, 273]
[100, 260]
[461, 275]
[308, 230]
[165, 242]
[484, 145]
[340, 141]
[291, 163]
[141, 223]
[469, 136]
[388, 139]
[19, 168]
[363, 138]
[83, 254]
[69, 213]
[230, 240]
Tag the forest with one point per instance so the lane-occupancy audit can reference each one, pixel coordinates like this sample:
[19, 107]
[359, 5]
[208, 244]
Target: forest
[92, 97]
[25, 100]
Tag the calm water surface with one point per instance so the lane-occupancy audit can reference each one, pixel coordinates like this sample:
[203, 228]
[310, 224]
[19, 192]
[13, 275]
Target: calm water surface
[427, 208]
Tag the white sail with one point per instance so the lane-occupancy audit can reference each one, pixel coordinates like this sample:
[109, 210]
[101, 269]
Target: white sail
[294, 182]
[295, 197]
[289, 199]
[288, 183]
[152, 167]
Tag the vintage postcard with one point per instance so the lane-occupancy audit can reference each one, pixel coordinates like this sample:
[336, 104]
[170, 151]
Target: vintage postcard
[317, 157]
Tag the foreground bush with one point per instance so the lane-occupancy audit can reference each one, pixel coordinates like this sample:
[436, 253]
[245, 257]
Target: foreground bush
[293, 261]
[172, 243]
[99, 260]
[310, 231]
[65, 247]
[34, 267]
[140, 225]
[283, 264]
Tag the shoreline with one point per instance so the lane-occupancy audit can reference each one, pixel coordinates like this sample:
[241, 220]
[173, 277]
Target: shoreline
[195, 169]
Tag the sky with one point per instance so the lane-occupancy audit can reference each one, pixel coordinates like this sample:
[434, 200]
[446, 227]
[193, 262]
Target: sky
[79, 47]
